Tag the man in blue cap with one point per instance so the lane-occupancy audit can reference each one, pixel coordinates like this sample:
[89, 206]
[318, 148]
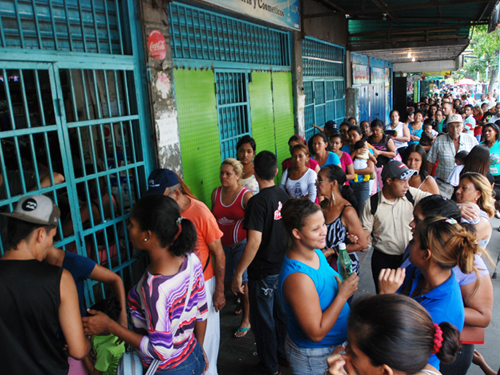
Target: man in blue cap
[166, 182]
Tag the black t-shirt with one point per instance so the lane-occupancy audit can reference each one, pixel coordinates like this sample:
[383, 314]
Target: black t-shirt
[29, 318]
[263, 214]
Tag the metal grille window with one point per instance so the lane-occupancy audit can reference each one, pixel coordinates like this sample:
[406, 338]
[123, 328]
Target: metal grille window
[62, 25]
[203, 35]
[71, 124]
[324, 84]
[233, 110]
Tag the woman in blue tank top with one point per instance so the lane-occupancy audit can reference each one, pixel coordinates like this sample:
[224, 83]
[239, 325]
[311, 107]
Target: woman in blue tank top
[314, 297]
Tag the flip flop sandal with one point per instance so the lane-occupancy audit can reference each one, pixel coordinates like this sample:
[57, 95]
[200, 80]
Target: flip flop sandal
[243, 330]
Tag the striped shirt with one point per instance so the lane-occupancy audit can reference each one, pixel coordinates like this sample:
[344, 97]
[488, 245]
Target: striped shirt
[443, 150]
[156, 305]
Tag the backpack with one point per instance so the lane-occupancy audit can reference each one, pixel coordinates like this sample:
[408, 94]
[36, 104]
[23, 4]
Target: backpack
[374, 201]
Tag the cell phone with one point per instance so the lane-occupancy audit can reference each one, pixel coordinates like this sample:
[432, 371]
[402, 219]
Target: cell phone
[391, 132]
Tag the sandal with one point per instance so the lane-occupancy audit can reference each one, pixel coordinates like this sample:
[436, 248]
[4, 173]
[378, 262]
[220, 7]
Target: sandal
[242, 331]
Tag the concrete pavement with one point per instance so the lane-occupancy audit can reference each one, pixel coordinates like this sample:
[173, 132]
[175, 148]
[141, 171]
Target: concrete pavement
[238, 356]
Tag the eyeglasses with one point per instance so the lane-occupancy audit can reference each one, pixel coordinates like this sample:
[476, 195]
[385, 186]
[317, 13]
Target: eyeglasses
[319, 182]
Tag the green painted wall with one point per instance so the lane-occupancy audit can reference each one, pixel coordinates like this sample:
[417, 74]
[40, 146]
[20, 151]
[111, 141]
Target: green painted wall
[271, 111]
[283, 114]
[198, 130]
[261, 110]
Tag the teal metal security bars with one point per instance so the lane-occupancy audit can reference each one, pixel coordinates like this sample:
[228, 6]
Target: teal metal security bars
[233, 109]
[203, 35]
[62, 25]
[324, 83]
[233, 48]
[71, 121]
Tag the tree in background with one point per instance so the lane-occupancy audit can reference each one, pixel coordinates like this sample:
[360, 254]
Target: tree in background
[485, 46]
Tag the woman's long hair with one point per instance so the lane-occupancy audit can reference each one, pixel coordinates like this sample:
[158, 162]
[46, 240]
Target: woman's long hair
[335, 173]
[423, 172]
[486, 201]
[161, 215]
[478, 160]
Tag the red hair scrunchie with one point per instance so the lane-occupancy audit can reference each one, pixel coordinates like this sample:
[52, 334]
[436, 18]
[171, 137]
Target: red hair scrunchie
[438, 339]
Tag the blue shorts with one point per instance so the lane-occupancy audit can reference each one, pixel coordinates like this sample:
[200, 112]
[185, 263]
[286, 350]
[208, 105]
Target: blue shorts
[233, 255]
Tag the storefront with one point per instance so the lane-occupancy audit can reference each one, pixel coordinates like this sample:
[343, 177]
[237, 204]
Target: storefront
[72, 121]
[231, 77]
[372, 79]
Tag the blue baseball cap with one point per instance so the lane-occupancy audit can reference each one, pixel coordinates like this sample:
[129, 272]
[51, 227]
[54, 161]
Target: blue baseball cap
[160, 179]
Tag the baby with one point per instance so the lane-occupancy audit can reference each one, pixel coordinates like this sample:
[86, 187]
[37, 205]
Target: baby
[429, 130]
[360, 161]
[454, 177]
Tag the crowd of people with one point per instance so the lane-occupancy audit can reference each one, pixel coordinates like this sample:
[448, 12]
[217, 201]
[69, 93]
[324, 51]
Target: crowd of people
[419, 192]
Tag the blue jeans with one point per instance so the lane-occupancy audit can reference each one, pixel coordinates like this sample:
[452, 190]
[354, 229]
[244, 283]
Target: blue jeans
[192, 365]
[233, 255]
[269, 321]
[361, 192]
[307, 361]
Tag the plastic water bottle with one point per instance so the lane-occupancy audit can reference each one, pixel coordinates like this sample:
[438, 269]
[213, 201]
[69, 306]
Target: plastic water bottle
[344, 263]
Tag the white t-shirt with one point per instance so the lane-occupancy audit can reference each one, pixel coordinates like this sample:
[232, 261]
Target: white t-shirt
[301, 187]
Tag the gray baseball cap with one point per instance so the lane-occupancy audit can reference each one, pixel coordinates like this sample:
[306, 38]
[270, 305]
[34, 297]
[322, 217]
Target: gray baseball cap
[36, 209]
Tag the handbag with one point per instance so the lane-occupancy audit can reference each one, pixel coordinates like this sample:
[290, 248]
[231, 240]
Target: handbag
[130, 362]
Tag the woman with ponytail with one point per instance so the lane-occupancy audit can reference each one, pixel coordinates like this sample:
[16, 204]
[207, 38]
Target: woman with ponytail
[164, 326]
[393, 334]
[438, 245]
[476, 288]
[342, 221]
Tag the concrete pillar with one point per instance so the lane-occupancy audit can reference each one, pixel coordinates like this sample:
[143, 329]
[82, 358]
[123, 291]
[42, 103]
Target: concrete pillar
[298, 84]
[154, 16]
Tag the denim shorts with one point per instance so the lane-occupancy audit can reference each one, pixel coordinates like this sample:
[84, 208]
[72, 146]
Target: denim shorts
[192, 365]
[307, 361]
[233, 255]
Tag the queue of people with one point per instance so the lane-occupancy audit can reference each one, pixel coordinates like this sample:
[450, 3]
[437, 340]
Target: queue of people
[276, 245]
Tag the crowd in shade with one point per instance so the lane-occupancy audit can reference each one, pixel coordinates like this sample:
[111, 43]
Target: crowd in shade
[417, 192]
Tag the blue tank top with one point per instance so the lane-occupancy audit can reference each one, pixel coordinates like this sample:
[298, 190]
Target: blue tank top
[327, 288]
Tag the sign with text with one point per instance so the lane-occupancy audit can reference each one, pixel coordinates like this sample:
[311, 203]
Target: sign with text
[360, 74]
[378, 75]
[279, 12]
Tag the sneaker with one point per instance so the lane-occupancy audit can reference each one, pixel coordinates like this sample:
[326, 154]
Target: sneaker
[497, 214]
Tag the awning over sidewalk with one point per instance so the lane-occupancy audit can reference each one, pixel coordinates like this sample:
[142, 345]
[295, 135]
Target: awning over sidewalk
[428, 30]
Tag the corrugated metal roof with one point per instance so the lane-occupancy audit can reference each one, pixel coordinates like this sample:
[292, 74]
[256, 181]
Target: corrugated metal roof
[395, 24]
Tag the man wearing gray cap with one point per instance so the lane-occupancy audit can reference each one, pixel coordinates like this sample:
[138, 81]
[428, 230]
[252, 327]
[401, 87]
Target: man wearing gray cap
[39, 299]
[387, 215]
[444, 149]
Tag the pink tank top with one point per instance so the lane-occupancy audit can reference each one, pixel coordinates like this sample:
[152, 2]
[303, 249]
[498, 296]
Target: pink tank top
[230, 218]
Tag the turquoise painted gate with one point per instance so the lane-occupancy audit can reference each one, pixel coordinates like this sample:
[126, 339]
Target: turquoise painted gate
[72, 121]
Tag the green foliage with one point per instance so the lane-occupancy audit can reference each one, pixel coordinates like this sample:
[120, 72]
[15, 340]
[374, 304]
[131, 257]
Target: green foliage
[485, 46]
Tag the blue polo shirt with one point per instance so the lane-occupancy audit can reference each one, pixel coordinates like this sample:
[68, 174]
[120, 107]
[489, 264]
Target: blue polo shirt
[443, 303]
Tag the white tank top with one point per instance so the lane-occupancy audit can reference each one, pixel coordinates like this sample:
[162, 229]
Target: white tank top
[399, 129]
